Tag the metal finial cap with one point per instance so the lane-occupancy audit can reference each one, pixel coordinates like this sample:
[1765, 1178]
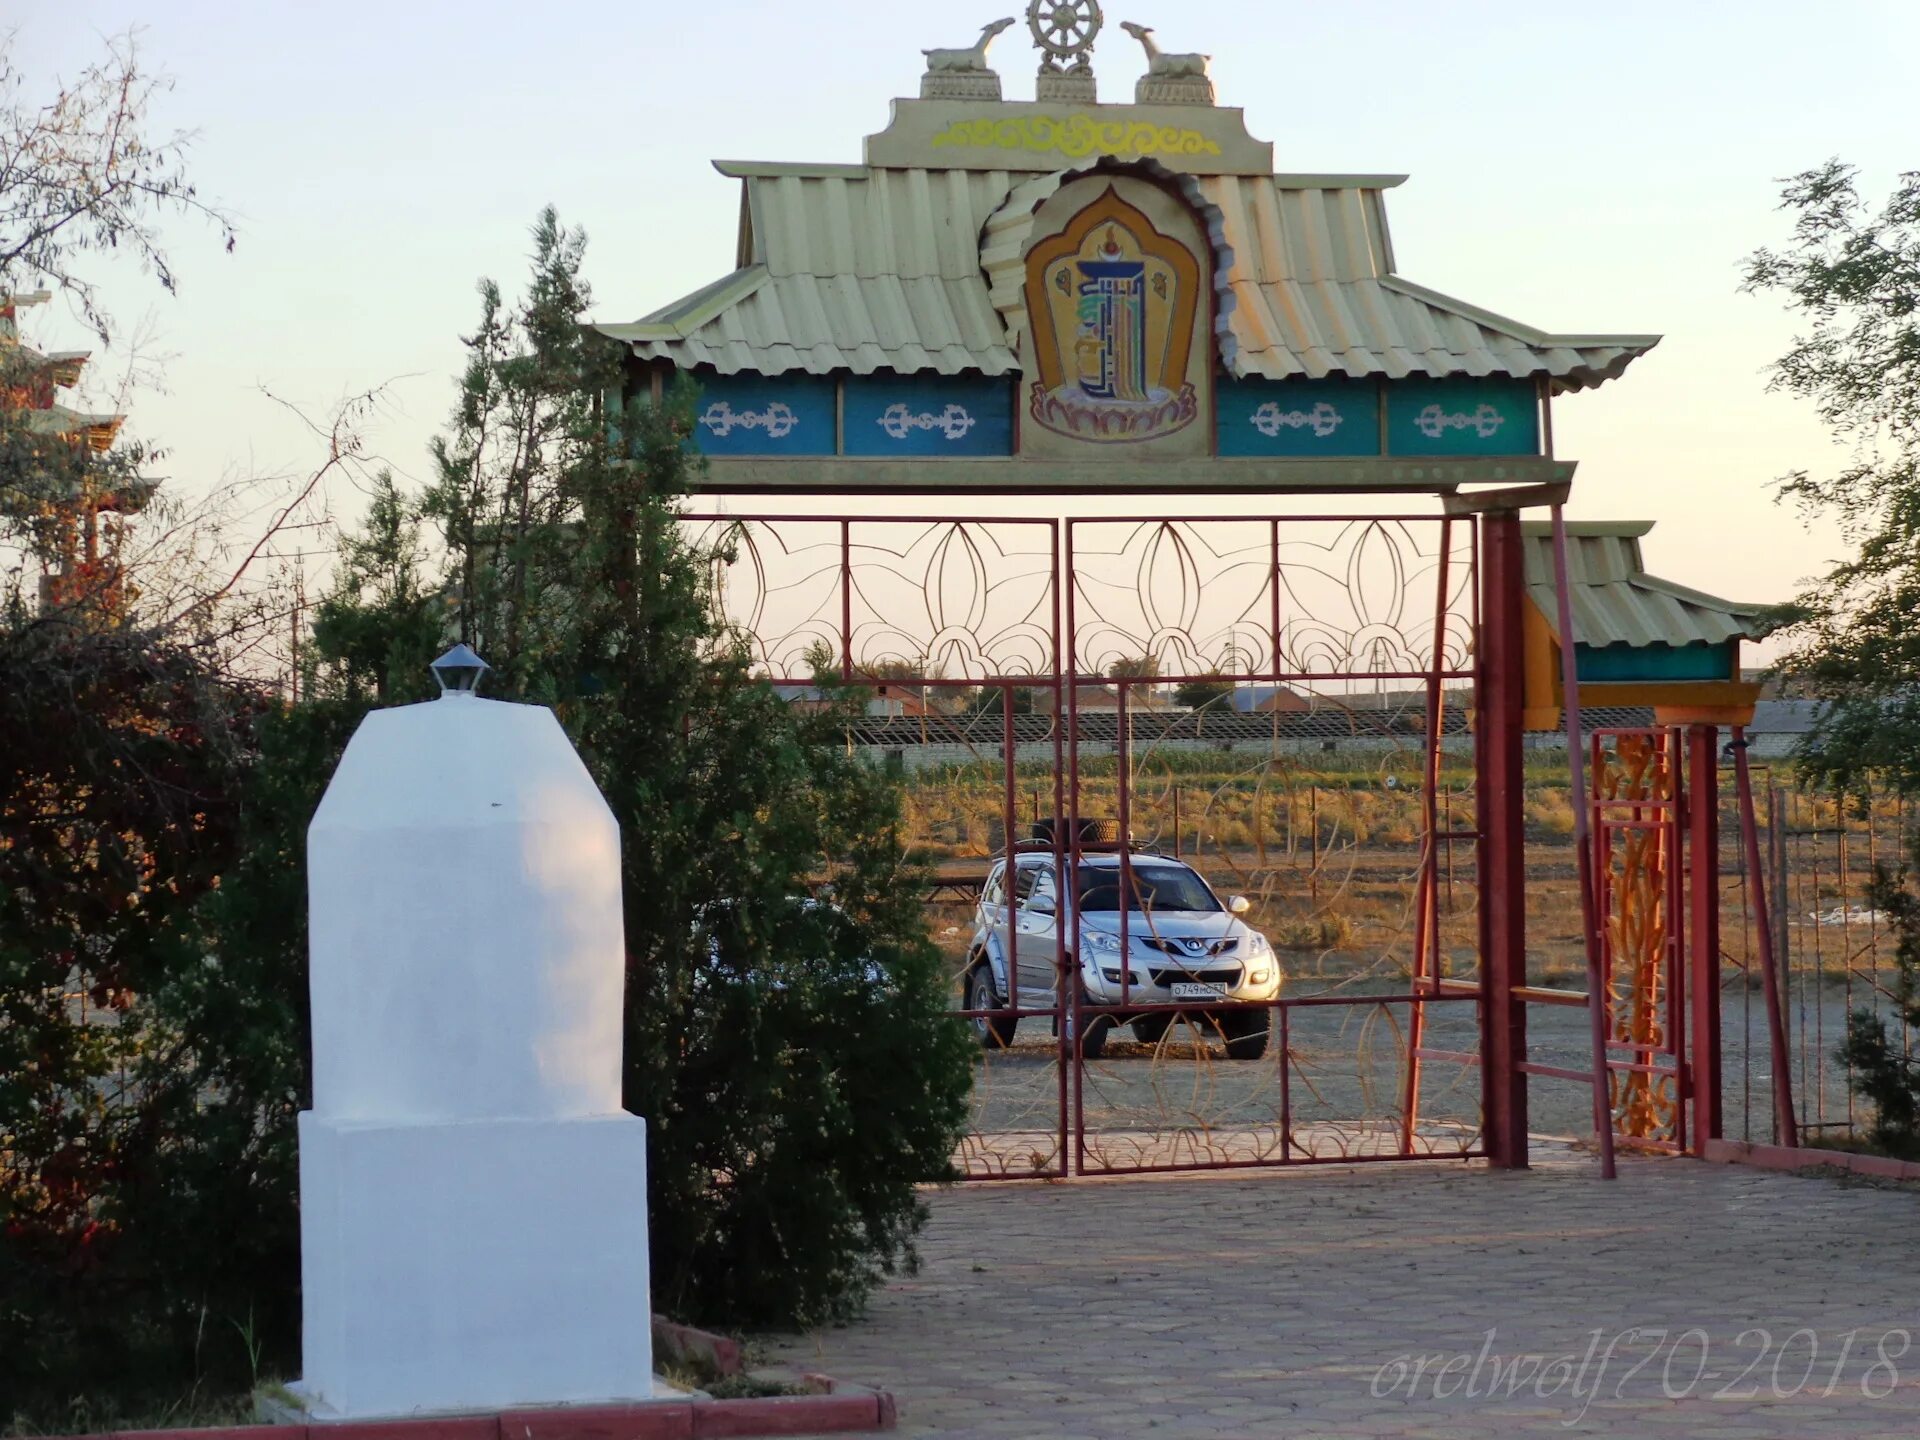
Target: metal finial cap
[459, 671]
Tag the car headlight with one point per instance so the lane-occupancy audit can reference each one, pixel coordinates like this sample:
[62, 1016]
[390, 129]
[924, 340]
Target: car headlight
[1257, 944]
[1101, 940]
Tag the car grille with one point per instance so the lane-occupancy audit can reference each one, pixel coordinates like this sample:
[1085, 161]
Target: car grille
[1175, 946]
[1220, 975]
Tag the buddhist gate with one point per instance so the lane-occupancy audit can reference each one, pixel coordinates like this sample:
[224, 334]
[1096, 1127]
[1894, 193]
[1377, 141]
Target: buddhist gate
[1026, 307]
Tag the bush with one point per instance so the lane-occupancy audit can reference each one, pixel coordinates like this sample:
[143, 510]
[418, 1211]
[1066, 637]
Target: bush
[1550, 812]
[799, 1086]
[136, 1219]
[1330, 931]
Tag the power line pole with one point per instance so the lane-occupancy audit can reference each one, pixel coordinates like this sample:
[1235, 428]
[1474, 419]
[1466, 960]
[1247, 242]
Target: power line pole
[299, 623]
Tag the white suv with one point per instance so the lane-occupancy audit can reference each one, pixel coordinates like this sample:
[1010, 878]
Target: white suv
[1183, 943]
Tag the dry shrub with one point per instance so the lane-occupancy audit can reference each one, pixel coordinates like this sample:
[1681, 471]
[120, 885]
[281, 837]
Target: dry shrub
[1550, 812]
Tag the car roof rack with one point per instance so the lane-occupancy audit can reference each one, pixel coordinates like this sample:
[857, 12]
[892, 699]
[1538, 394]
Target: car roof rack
[1087, 847]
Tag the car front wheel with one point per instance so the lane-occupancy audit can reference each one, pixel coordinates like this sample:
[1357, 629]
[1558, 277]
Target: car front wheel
[1148, 1028]
[1246, 1033]
[994, 1032]
[1094, 1029]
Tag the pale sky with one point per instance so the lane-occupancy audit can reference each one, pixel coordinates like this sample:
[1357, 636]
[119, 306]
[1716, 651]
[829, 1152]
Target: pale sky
[1577, 167]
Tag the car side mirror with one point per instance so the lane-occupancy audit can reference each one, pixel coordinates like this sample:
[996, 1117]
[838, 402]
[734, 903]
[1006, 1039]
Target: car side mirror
[1042, 905]
[1239, 905]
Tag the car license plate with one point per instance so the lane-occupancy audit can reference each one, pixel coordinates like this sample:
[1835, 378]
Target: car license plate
[1193, 990]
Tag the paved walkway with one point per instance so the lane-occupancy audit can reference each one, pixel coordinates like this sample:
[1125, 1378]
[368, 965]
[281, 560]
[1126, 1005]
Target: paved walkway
[1358, 1303]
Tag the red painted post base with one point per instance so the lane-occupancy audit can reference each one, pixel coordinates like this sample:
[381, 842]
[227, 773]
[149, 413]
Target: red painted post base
[842, 1411]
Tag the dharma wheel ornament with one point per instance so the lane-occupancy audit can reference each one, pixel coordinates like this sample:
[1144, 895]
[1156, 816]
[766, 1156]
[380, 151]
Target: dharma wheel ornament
[1064, 31]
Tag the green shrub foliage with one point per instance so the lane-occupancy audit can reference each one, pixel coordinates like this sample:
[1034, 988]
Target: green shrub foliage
[122, 770]
[787, 1031]
[1851, 275]
[795, 1061]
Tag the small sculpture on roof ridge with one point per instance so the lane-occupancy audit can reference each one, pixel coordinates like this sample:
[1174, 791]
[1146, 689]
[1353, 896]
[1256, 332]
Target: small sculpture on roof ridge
[1064, 32]
[1171, 78]
[962, 74]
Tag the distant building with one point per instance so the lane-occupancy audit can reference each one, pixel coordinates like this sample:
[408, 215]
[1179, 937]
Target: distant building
[1775, 686]
[83, 503]
[887, 702]
[1268, 700]
[901, 702]
[1093, 699]
[1779, 727]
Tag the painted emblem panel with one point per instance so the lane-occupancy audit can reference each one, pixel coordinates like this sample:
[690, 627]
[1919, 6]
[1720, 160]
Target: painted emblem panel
[1463, 417]
[1117, 297]
[1299, 418]
[764, 415]
[1041, 136]
[928, 415]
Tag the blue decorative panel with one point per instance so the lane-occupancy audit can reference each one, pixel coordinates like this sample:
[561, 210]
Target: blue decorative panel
[1299, 417]
[764, 415]
[1463, 417]
[1600, 664]
[928, 415]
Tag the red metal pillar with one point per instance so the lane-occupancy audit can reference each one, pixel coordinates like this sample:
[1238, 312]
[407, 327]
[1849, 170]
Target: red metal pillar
[1703, 925]
[1786, 1129]
[1584, 859]
[1498, 703]
[1426, 906]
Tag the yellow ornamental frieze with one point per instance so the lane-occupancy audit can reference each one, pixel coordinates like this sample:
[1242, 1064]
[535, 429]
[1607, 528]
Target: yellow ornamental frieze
[1076, 137]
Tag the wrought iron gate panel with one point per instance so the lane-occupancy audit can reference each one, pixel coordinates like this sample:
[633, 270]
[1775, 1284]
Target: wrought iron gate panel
[949, 601]
[1354, 628]
[1346, 814]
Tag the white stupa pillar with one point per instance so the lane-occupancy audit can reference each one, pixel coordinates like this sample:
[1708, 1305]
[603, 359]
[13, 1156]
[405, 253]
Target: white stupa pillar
[473, 1217]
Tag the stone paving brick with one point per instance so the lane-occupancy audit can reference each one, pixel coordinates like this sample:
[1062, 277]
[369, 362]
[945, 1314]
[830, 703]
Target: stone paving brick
[1266, 1306]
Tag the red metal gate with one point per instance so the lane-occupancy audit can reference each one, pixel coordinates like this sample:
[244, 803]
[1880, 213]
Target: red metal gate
[1354, 777]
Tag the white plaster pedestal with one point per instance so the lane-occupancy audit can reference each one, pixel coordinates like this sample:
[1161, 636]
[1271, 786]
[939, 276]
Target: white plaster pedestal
[473, 1218]
[473, 1266]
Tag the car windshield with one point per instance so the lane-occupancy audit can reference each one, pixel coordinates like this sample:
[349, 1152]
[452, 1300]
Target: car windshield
[1156, 888]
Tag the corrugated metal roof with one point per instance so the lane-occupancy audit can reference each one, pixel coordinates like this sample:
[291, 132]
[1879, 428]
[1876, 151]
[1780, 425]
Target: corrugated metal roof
[820, 324]
[1316, 295]
[1615, 601]
[852, 269]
